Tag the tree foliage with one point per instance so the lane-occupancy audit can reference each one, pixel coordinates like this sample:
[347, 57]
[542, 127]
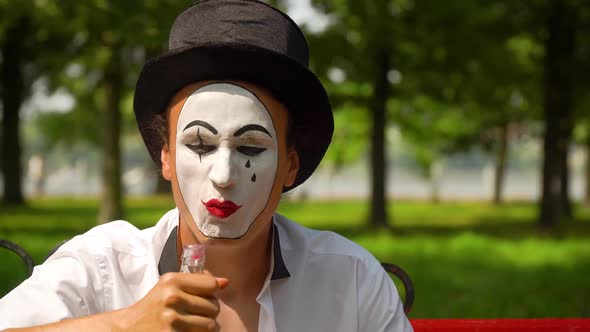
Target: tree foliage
[449, 75]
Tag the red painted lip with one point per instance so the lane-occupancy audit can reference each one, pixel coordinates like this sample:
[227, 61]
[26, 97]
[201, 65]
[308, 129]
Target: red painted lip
[221, 209]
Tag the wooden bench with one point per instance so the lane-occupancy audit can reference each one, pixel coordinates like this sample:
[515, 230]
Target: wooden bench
[18, 250]
[502, 325]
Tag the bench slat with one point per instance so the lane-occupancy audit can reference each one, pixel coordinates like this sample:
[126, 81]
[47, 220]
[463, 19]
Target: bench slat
[502, 325]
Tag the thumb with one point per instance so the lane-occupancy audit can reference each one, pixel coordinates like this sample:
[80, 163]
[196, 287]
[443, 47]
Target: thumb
[222, 282]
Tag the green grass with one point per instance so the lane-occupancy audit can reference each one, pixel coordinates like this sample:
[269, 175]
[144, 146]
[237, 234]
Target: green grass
[466, 259]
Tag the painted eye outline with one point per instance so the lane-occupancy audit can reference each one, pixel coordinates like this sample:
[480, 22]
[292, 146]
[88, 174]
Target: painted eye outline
[201, 149]
[250, 151]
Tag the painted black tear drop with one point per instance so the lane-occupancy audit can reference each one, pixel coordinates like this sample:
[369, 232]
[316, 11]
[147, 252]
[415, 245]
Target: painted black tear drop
[248, 164]
[253, 178]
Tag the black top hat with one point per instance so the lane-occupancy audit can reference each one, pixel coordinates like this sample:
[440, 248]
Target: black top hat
[243, 40]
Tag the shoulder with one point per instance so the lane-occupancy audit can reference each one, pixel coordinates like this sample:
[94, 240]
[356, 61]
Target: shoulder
[120, 236]
[295, 237]
[108, 267]
[345, 278]
[117, 237]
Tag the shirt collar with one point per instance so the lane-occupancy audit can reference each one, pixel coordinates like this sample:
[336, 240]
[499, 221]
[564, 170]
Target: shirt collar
[169, 262]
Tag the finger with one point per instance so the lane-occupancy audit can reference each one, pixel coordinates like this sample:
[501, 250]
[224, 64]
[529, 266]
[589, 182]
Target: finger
[195, 323]
[196, 305]
[195, 284]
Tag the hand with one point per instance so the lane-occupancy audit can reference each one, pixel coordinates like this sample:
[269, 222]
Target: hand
[178, 302]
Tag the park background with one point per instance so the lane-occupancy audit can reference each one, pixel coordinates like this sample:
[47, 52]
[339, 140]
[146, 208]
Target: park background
[461, 149]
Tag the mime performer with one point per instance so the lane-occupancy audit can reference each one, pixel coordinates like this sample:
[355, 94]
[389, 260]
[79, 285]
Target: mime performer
[235, 118]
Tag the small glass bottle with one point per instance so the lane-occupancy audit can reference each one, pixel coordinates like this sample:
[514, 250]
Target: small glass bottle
[193, 258]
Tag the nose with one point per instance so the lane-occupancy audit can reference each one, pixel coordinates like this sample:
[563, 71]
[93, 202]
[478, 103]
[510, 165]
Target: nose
[223, 173]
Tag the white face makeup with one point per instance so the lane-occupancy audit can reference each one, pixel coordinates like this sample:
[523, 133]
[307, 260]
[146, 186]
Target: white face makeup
[226, 158]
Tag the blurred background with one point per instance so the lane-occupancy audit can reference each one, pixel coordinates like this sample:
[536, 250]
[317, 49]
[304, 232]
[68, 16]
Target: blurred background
[461, 150]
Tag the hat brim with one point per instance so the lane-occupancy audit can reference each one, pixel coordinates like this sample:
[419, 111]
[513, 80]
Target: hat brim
[289, 81]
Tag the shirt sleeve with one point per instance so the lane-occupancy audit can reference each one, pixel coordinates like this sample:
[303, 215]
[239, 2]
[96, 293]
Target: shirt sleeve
[379, 305]
[63, 287]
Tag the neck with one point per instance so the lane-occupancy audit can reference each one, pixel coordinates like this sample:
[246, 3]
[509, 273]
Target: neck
[245, 261]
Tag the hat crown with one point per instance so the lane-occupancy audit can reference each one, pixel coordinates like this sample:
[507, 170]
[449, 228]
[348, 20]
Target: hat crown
[248, 23]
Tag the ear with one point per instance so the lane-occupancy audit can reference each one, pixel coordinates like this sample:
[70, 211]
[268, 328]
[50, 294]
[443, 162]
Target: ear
[293, 167]
[165, 159]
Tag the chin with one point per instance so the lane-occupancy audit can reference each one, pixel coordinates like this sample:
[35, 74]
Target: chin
[216, 231]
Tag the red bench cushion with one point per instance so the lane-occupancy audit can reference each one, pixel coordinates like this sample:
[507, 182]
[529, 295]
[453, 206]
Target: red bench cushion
[501, 325]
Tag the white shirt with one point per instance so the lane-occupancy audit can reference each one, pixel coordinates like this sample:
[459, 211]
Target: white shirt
[318, 281]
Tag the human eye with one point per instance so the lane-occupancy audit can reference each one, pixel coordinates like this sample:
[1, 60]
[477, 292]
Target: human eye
[201, 148]
[250, 150]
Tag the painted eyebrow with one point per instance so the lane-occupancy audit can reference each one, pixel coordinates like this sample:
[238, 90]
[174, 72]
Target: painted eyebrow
[251, 127]
[203, 124]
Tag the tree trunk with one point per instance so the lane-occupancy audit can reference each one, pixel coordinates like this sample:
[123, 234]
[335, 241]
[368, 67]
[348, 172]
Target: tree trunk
[558, 101]
[565, 201]
[111, 206]
[500, 170]
[37, 173]
[13, 92]
[381, 89]
[587, 193]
